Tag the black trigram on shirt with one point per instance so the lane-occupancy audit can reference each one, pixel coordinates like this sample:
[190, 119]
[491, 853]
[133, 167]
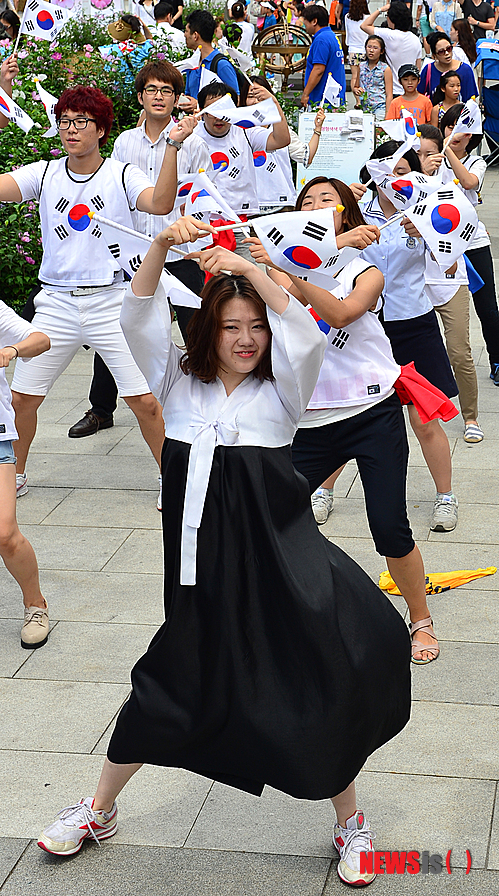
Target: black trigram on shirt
[233, 172]
[234, 152]
[97, 202]
[135, 263]
[340, 339]
[315, 231]
[62, 204]
[115, 250]
[275, 236]
[61, 231]
[272, 166]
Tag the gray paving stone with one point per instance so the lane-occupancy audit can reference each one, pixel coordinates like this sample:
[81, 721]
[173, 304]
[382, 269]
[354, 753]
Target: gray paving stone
[464, 676]
[446, 556]
[41, 502]
[13, 656]
[494, 839]
[473, 526]
[72, 385]
[465, 615]
[52, 438]
[92, 597]
[349, 519]
[62, 470]
[11, 850]
[425, 812]
[64, 547]
[273, 823]
[52, 409]
[41, 716]
[485, 459]
[441, 739]
[89, 651]
[107, 508]
[127, 871]
[141, 552]
[476, 883]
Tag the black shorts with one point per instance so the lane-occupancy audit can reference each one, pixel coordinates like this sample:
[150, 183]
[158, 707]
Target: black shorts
[419, 340]
[377, 440]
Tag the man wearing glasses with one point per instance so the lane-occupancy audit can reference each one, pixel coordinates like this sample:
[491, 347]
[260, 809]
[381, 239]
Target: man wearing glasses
[83, 287]
[158, 85]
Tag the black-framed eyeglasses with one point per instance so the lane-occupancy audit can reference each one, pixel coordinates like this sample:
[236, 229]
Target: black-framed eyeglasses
[80, 123]
[151, 90]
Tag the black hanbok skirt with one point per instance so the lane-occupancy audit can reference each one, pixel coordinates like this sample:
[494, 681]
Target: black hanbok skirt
[285, 664]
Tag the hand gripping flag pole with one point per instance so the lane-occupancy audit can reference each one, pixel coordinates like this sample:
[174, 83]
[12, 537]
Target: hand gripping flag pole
[150, 239]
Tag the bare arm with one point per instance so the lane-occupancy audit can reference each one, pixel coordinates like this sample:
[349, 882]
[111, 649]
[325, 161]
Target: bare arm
[313, 143]
[388, 87]
[184, 230]
[8, 71]
[33, 345]
[9, 191]
[337, 313]
[313, 80]
[368, 24]
[159, 200]
[467, 179]
[216, 259]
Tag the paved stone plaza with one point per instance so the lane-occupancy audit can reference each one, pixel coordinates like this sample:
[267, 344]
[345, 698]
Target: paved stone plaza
[91, 515]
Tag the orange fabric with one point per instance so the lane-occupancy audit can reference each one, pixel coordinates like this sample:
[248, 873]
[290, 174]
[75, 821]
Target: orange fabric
[430, 402]
[437, 582]
[420, 108]
[332, 12]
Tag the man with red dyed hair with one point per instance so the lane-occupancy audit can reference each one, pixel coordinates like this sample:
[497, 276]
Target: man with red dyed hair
[82, 286]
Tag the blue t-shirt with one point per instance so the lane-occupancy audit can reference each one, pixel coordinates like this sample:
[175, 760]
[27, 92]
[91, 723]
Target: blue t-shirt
[429, 83]
[225, 71]
[325, 50]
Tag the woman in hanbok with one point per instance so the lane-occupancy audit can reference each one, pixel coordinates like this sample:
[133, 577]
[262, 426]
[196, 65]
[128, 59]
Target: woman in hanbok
[268, 668]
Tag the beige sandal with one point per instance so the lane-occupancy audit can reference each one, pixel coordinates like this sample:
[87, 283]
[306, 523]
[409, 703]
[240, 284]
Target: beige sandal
[423, 625]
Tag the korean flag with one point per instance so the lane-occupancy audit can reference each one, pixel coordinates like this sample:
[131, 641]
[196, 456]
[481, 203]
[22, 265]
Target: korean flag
[43, 20]
[304, 244]
[447, 221]
[409, 189]
[49, 103]
[11, 110]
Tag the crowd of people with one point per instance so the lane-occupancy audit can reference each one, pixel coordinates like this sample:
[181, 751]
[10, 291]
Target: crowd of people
[269, 665]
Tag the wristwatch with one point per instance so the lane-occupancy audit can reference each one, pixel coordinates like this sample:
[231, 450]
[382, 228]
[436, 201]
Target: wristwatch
[174, 143]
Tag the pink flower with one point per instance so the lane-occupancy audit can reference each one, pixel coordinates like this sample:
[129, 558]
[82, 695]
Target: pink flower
[24, 237]
[88, 55]
[88, 48]
[55, 152]
[34, 95]
[56, 56]
[29, 259]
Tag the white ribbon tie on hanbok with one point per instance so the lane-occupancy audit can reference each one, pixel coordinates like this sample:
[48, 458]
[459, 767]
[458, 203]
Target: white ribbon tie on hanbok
[198, 476]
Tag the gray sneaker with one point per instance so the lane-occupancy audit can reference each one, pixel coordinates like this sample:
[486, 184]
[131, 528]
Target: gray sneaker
[444, 517]
[322, 505]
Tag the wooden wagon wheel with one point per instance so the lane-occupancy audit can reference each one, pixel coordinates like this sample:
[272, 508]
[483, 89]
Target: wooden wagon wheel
[282, 40]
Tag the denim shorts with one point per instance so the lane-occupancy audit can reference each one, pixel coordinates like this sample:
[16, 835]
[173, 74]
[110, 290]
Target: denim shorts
[7, 453]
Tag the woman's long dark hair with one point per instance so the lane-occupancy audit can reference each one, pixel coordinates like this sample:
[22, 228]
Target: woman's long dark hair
[449, 119]
[9, 16]
[466, 39]
[203, 331]
[357, 10]
[384, 151]
[352, 216]
[439, 92]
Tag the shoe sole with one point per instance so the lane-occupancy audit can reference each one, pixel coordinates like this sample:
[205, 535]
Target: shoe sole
[22, 491]
[440, 528]
[72, 852]
[34, 646]
[83, 435]
[360, 883]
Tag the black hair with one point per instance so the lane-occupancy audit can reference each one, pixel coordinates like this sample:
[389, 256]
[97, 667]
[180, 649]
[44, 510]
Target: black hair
[400, 16]
[202, 21]
[255, 79]
[215, 89]
[238, 10]
[433, 38]
[439, 92]
[384, 151]
[162, 10]
[449, 119]
[9, 16]
[381, 42]
[318, 13]
[132, 21]
[430, 132]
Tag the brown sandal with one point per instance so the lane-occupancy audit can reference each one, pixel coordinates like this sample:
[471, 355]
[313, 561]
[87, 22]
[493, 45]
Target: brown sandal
[423, 625]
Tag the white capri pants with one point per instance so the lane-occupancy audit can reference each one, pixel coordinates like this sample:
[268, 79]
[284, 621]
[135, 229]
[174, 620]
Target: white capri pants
[73, 321]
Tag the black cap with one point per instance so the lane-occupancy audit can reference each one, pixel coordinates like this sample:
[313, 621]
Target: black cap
[405, 70]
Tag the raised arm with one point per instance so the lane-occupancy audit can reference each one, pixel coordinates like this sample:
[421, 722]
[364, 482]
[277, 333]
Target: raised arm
[34, 344]
[216, 259]
[279, 135]
[184, 230]
[8, 71]
[368, 24]
[159, 200]
[339, 313]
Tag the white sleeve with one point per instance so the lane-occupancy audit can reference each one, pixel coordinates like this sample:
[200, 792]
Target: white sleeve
[477, 166]
[194, 156]
[116, 149]
[257, 137]
[298, 150]
[146, 323]
[135, 182]
[29, 179]
[298, 347]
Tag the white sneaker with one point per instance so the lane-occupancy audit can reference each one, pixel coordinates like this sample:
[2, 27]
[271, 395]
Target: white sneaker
[159, 503]
[444, 516]
[322, 505]
[74, 824]
[350, 842]
[21, 486]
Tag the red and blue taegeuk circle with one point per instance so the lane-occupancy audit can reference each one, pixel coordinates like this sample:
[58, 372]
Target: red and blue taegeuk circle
[403, 186]
[44, 20]
[259, 158]
[303, 257]
[245, 123]
[445, 218]
[185, 190]
[410, 126]
[220, 161]
[320, 323]
[3, 106]
[199, 193]
[78, 217]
